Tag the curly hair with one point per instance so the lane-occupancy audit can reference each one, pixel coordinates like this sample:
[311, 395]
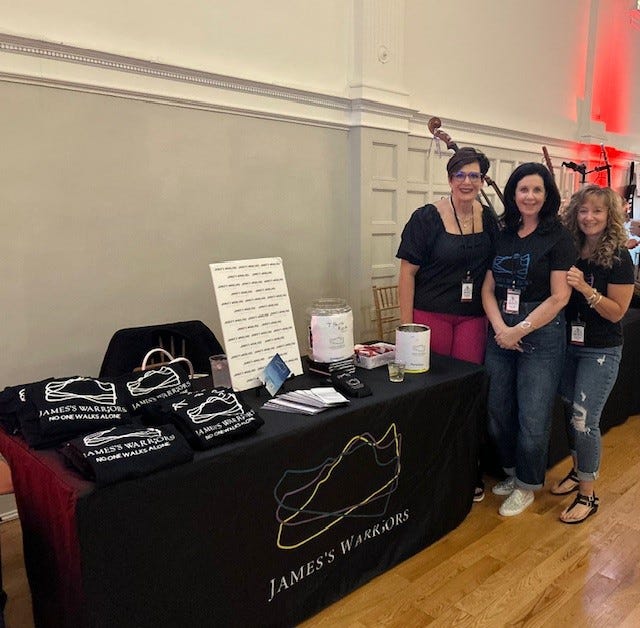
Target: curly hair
[614, 236]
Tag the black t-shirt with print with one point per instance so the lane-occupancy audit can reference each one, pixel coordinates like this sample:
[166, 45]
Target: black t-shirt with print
[526, 263]
[599, 332]
[444, 259]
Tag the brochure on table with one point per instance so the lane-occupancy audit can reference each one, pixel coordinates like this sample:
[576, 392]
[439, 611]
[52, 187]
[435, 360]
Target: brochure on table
[256, 318]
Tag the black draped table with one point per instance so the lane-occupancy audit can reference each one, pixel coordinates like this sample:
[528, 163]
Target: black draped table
[266, 530]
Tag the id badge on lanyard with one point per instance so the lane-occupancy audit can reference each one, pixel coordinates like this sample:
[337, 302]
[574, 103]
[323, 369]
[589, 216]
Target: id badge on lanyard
[512, 302]
[577, 332]
[466, 294]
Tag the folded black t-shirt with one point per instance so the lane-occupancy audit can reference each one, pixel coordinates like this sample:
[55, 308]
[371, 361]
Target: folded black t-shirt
[58, 409]
[123, 453]
[141, 391]
[209, 417]
[12, 404]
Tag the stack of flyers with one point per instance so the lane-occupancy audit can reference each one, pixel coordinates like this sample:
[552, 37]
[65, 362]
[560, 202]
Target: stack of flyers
[309, 401]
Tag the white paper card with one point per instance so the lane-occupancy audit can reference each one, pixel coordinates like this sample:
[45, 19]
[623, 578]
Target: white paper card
[256, 318]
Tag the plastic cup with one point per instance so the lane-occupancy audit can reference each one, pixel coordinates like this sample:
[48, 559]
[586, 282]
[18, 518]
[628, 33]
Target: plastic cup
[396, 371]
[220, 371]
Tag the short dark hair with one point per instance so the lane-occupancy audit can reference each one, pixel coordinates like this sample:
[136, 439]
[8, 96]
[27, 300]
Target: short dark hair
[548, 216]
[467, 155]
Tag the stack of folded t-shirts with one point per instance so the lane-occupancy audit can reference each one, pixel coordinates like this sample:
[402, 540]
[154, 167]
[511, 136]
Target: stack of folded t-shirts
[53, 411]
[208, 417]
[123, 453]
[12, 404]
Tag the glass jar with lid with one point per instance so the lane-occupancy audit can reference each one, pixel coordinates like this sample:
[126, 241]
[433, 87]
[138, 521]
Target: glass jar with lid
[330, 330]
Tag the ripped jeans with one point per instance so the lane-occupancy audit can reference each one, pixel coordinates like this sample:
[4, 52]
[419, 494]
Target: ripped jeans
[587, 379]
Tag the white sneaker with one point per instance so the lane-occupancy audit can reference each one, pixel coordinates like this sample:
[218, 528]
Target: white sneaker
[516, 503]
[504, 487]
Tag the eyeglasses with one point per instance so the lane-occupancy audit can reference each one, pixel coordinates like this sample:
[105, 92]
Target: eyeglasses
[474, 177]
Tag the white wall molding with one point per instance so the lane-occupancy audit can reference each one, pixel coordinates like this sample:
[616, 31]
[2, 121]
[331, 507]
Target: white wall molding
[40, 62]
[49, 64]
[108, 61]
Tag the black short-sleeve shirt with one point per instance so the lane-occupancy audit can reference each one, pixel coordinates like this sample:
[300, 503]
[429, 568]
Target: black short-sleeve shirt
[599, 332]
[444, 260]
[526, 263]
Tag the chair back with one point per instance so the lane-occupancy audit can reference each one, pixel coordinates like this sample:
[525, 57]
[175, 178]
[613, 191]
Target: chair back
[186, 339]
[387, 309]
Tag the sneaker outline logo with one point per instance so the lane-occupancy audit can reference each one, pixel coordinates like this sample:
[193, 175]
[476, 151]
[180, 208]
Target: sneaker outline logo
[300, 510]
[168, 378]
[230, 407]
[103, 393]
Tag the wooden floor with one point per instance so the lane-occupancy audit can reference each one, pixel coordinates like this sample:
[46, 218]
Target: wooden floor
[529, 570]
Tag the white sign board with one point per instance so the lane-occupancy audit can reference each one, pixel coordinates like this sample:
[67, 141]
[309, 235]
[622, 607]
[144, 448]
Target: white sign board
[256, 319]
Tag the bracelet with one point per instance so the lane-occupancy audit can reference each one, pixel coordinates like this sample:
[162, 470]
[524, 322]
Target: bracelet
[596, 301]
[593, 297]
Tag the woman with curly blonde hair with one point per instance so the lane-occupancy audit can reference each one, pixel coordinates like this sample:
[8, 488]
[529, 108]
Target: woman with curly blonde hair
[602, 287]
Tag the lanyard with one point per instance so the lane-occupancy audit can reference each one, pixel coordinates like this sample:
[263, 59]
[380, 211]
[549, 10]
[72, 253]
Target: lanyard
[466, 250]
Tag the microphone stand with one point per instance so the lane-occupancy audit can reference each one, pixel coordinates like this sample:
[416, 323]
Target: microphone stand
[606, 167]
[581, 168]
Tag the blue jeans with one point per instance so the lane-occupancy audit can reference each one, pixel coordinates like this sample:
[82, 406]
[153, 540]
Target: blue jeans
[522, 390]
[588, 377]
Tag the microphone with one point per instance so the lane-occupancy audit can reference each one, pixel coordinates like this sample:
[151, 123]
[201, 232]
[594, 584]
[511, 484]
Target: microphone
[572, 165]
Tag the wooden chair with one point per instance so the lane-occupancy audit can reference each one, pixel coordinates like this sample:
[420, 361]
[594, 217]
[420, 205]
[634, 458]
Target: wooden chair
[387, 306]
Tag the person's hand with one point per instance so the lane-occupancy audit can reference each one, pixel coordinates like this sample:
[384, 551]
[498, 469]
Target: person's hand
[509, 338]
[632, 243]
[634, 228]
[575, 278]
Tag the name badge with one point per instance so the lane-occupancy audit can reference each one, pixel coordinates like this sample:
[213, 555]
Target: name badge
[467, 292]
[577, 332]
[512, 303]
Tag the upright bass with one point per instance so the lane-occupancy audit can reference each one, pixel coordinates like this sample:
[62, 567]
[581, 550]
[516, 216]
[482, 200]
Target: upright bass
[434, 125]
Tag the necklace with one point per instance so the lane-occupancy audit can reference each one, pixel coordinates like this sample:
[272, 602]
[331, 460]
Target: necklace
[463, 221]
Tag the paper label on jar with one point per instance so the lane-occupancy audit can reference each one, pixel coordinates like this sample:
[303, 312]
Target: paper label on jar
[332, 336]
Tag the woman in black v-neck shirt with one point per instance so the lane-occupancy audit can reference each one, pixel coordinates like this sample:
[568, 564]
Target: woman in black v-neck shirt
[445, 251]
[524, 294]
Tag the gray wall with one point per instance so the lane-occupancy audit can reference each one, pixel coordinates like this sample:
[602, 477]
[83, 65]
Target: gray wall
[112, 210]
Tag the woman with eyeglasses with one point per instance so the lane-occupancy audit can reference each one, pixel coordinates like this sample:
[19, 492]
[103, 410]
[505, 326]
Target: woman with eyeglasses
[445, 250]
[602, 282]
[524, 294]
[444, 253]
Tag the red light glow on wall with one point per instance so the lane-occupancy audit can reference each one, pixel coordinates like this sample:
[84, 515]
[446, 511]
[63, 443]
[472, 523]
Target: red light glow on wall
[612, 72]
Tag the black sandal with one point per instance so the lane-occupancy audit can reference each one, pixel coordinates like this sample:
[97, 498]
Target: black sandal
[572, 476]
[584, 500]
